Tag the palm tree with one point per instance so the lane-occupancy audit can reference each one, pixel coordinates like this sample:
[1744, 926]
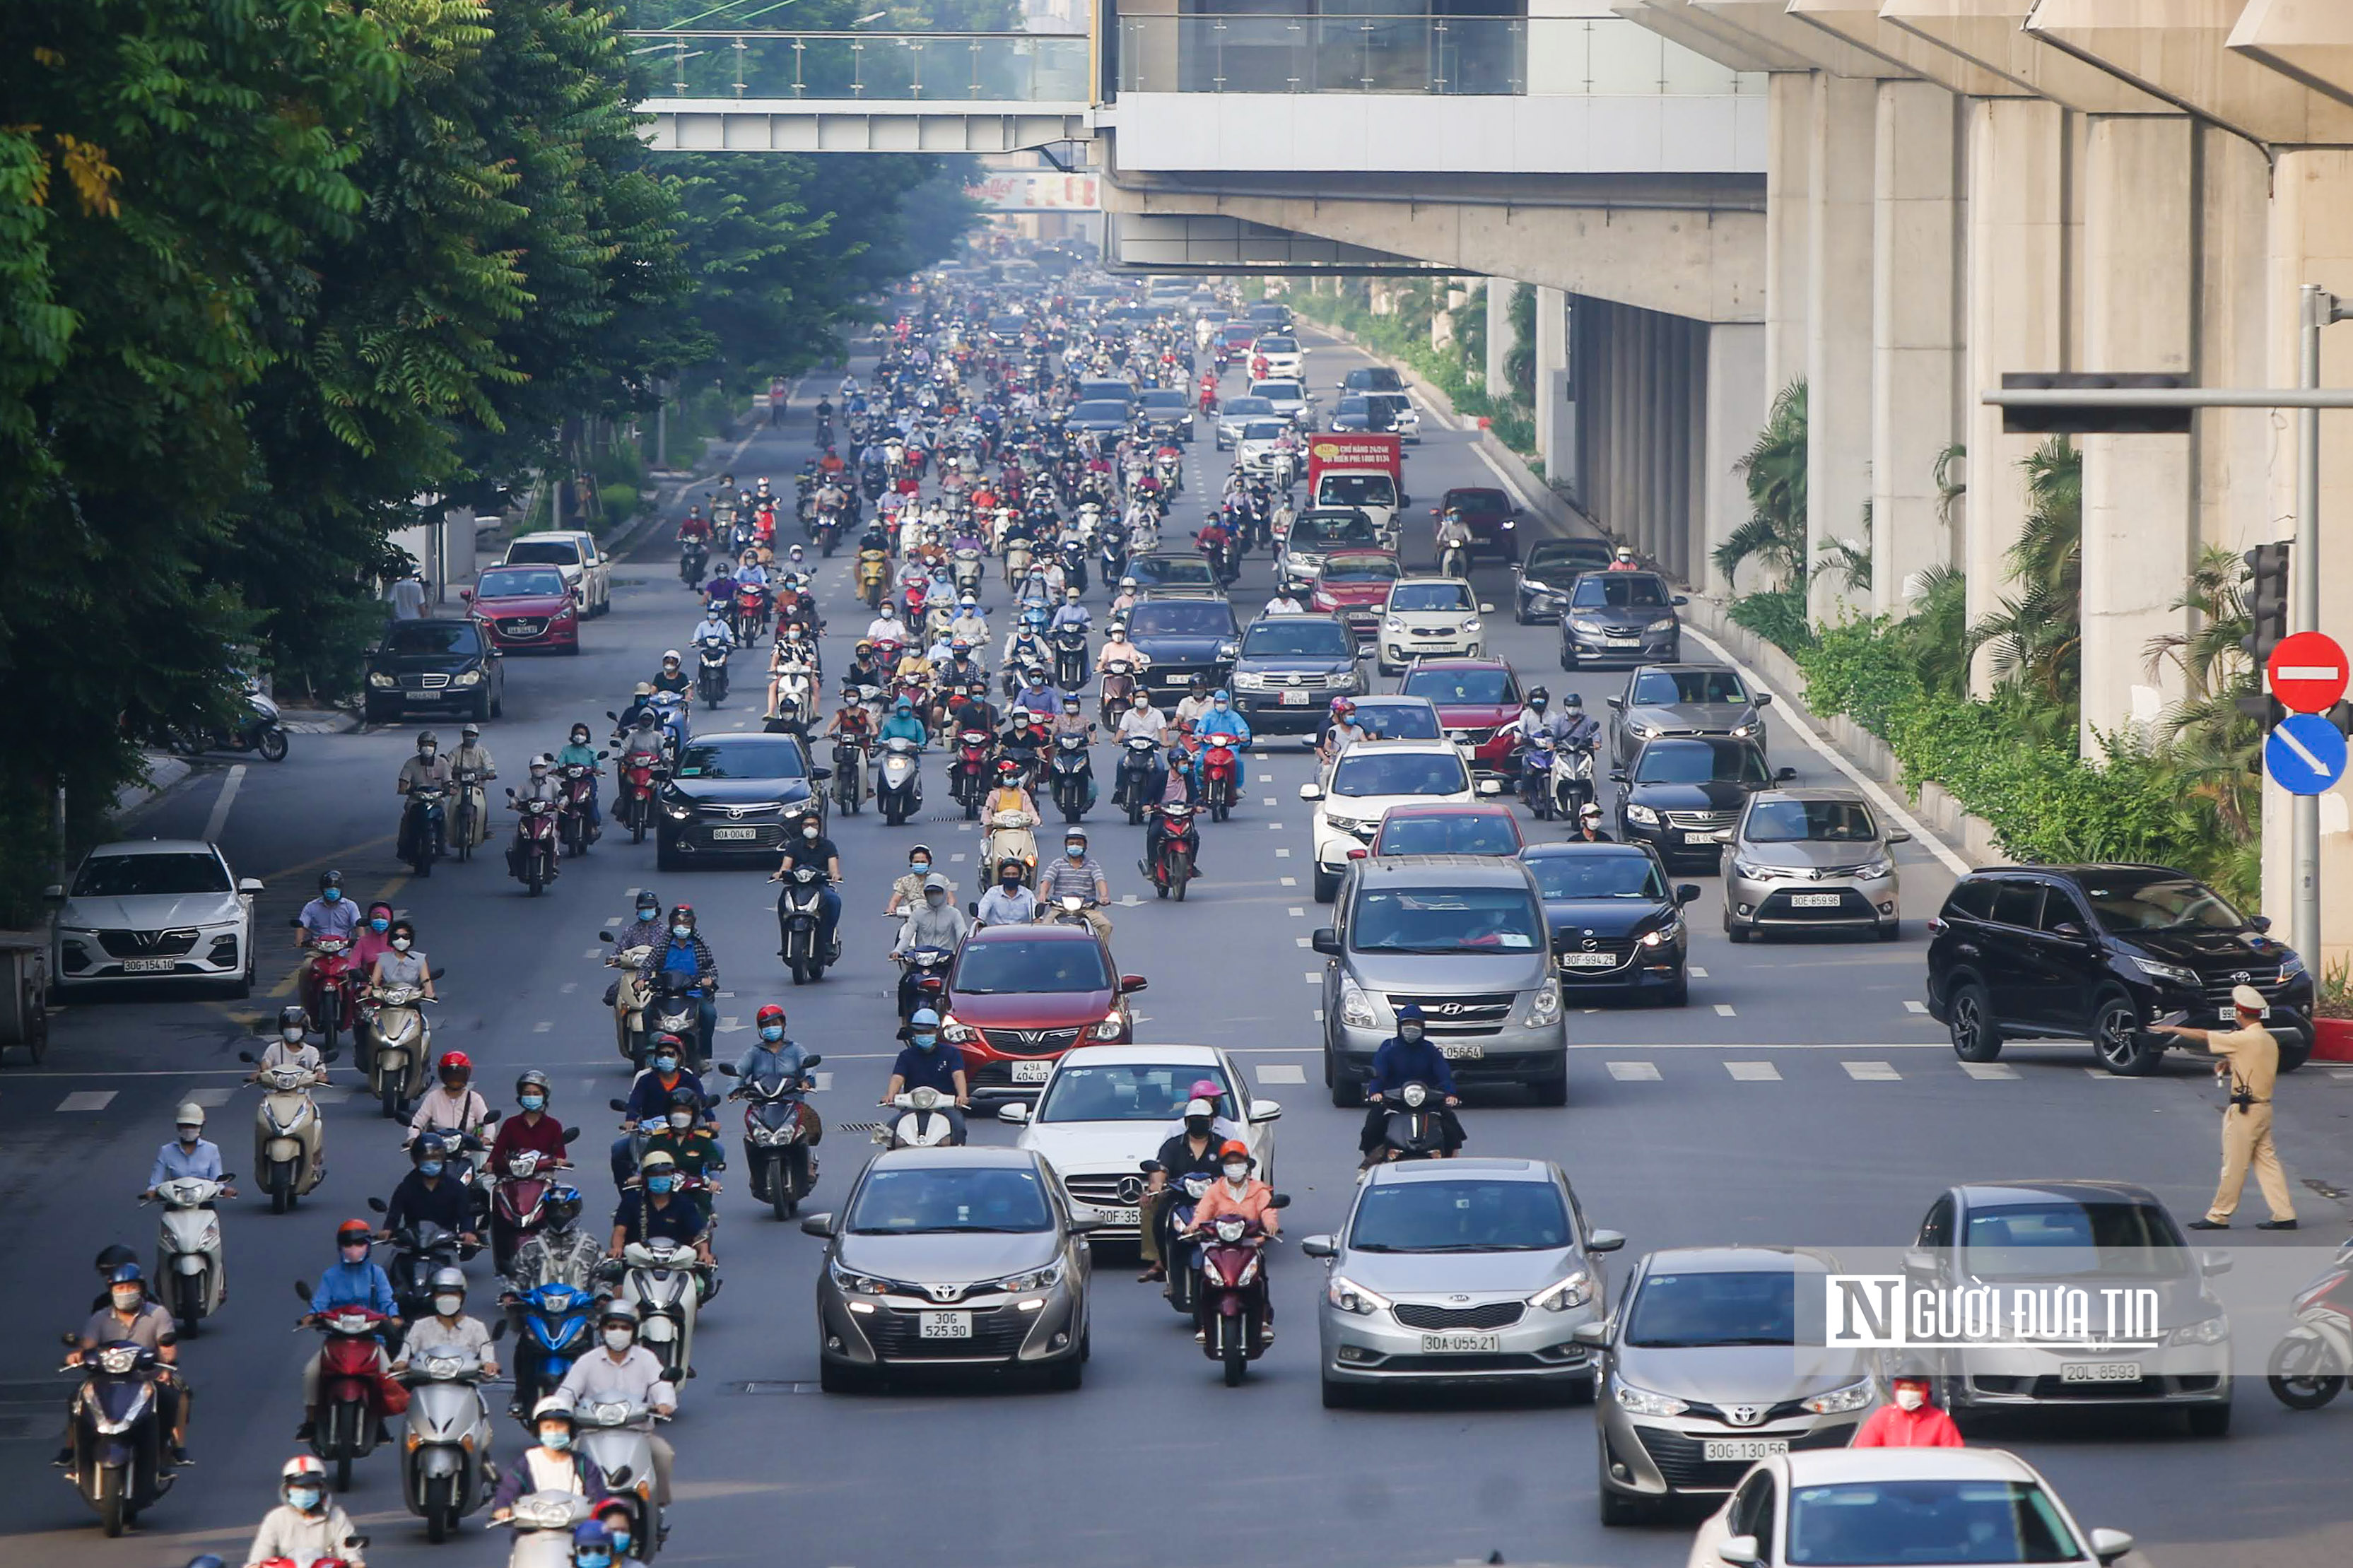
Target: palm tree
[2217, 747]
[2036, 635]
[1933, 640]
[1774, 469]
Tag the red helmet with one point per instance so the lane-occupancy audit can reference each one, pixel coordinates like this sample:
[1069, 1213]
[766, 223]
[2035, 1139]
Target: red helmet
[771, 1014]
[1234, 1148]
[457, 1068]
[353, 1230]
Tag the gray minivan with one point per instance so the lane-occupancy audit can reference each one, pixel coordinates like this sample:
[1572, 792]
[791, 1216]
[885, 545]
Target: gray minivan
[1462, 935]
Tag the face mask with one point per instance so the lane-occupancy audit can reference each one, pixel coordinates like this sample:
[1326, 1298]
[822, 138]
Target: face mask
[617, 1339]
[126, 1297]
[1910, 1398]
[531, 1101]
[590, 1558]
[191, 1134]
[772, 1033]
[621, 1538]
[681, 1120]
[649, 913]
[305, 1497]
[682, 932]
[378, 924]
[556, 1437]
[1198, 1126]
[1220, 706]
[579, 737]
[425, 751]
[403, 943]
[449, 1306]
[429, 1169]
[665, 1064]
[926, 1042]
[332, 895]
[809, 831]
[919, 867]
[1237, 1173]
[355, 1254]
[658, 1184]
[1410, 1033]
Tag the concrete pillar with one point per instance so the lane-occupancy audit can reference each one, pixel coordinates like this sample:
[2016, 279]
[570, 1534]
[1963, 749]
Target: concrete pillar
[1552, 376]
[2017, 281]
[1690, 528]
[1499, 332]
[1839, 324]
[1738, 398]
[1624, 422]
[1642, 503]
[2139, 499]
[1917, 324]
[1658, 435]
[1584, 373]
[2232, 447]
[1788, 154]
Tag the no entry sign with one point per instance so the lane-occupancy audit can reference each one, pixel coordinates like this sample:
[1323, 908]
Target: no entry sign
[2306, 672]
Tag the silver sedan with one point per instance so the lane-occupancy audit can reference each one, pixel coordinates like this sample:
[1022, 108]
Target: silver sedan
[1811, 860]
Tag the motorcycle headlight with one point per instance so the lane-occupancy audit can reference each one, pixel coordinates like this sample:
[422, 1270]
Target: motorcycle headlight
[1044, 1278]
[1350, 1297]
[1544, 1008]
[381, 682]
[2213, 1331]
[1642, 1402]
[1839, 1401]
[1642, 813]
[1663, 624]
[1356, 1008]
[467, 678]
[1561, 1295]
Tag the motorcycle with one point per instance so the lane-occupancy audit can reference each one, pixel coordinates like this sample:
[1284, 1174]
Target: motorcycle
[968, 774]
[1074, 776]
[543, 1523]
[629, 1000]
[289, 1139]
[519, 1199]
[422, 824]
[693, 557]
[1017, 563]
[802, 912]
[711, 672]
[445, 1471]
[1221, 559]
[1111, 549]
[674, 1008]
[849, 774]
[533, 856]
[926, 970]
[355, 1394]
[1219, 765]
[1069, 644]
[899, 781]
[1536, 791]
[873, 576]
[116, 1439]
[780, 1134]
[667, 1282]
[188, 1251]
[1009, 839]
[1231, 1305]
[921, 1124]
[557, 1323]
[417, 1252]
[403, 1045]
[573, 825]
[1180, 1256]
[968, 567]
[257, 728]
[1572, 781]
[469, 811]
[633, 803]
[335, 984]
[2309, 1365]
[1118, 689]
[1139, 764]
[1074, 563]
[1454, 561]
[614, 1433]
[1180, 847]
[1415, 1128]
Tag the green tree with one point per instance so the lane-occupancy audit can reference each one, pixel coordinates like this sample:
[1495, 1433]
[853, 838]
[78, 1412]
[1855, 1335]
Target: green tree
[2035, 634]
[1773, 468]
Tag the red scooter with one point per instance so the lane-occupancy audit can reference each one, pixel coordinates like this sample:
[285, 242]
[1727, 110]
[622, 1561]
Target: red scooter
[751, 612]
[574, 827]
[968, 774]
[1218, 766]
[533, 857]
[1230, 1303]
[634, 801]
[332, 988]
[1180, 845]
[355, 1393]
[519, 1202]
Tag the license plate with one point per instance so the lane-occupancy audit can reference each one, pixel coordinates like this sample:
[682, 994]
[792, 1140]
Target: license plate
[2099, 1372]
[734, 835]
[1295, 700]
[1813, 900]
[1460, 1344]
[148, 965]
[1625, 642]
[1115, 1216]
[1031, 1072]
[1458, 1053]
[1743, 1450]
[946, 1326]
[1703, 839]
[1588, 960]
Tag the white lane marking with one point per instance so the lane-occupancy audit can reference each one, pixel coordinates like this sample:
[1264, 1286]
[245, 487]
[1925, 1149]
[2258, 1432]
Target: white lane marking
[1296, 912]
[88, 1099]
[1319, 1014]
[1281, 1072]
[1829, 753]
[1724, 1010]
[1634, 1072]
[1272, 801]
[1289, 882]
[1871, 1072]
[613, 923]
[230, 784]
[732, 1025]
[569, 986]
[2101, 1073]
[209, 1098]
[1912, 1007]
[330, 1094]
[1753, 1072]
[1314, 977]
[821, 1081]
[594, 952]
[1284, 854]
[1985, 1072]
[543, 1027]
[1303, 942]
[1697, 973]
[1129, 900]
[957, 858]
[964, 827]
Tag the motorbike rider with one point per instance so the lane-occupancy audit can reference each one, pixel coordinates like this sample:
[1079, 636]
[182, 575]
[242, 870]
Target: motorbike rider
[451, 1107]
[650, 1094]
[1194, 703]
[972, 709]
[1178, 782]
[1072, 720]
[558, 1252]
[577, 752]
[305, 1528]
[1117, 649]
[128, 1315]
[1079, 874]
[1237, 1192]
[712, 629]
[970, 626]
[553, 1464]
[886, 625]
[686, 1137]
[372, 939]
[290, 1048]
[449, 1328]
[771, 1051]
[654, 1210]
[960, 669]
[925, 1063]
[683, 952]
[1224, 722]
[353, 1281]
[426, 767]
[865, 669]
[1407, 1057]
[1342, 732]
[905, 723]
[540, 785]
[1285, 602]
[1038, 694]
[329, 915]
[1009, 902]
[1536, 718]
[533, 1128]
[189, 1155]
[1191, 1152]
[934, 922]
[908, 890]
[401, 964]
[474, 757]
[811, 847]
[621, 1371]
[429, 1193]
[672, 677]
[1453, 534]
[1071, 613]
[619, 1522]
[1624, 561]
[1911, 1421]
[1589, 825]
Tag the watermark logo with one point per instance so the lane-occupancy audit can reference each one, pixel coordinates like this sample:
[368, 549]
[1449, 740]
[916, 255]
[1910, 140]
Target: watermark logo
[1892, 1312]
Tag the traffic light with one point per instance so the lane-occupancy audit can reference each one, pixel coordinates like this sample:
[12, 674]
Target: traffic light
[2267, 601]
[2090, 417]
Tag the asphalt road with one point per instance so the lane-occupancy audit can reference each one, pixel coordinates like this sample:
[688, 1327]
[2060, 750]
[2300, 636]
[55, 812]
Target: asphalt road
[1802, 1096]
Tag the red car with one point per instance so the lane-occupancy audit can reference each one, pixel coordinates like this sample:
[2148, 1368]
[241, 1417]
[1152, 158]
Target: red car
[1488, 513]
[525, 607]
[1488, 829]
[1020, 995]
[1354, 585]
[1476, 698]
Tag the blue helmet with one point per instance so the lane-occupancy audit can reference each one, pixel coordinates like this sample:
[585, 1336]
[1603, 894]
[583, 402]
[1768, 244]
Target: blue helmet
[126, 1274]
[1411, 1011]
[923, 1018]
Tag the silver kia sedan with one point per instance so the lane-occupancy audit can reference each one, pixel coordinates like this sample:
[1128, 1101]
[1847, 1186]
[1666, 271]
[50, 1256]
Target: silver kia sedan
[1811, 860]
[1459, 1271]
[951, 1258]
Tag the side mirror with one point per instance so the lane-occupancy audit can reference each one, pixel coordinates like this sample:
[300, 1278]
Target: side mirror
[1617, 703]
[2107, 1545]
[1311, 792]
[1326, 941]
[2261, 923]
[2214, 1261]
[570, 1136]
[1618, 778]
[302, 1290]
[330, 1053]
[498, 1328]
[490, 1117]
[618, 1104]
[1899, 837]
[1593, 1336]
[1762, 700]
[1740, 1551]
[1017, 1113]
[1491, 786]
[813, 1059]
[245, 1056]
[604, 936]
[1279, 1201]
[1130, 984]
[1681, 599]
[244, 885]
[820, 774]
[466, 593]
[1920, 1260]
[1686, 892]
[377, 1206]
[1265, 1111]
[724, 1070]
[816, 1225]
[1783, 775]
[55, 893]
[1604, 1241]
[1485, 608]
[619, 1477]
[1319, 1246]
[1086, 1225]
[2069, 929]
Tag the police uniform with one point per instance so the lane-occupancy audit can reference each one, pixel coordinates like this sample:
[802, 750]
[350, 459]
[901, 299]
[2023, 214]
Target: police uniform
[2253, 1058]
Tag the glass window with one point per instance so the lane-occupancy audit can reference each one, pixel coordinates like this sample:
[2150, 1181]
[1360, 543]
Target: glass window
[1464, 686]
[2059, 908]
[1478, 501]
[1460, 1216]
[2061, 1237]
[543, 552]
[1445, 919]
[1314, 532]
[2017, 904]
[519, 584]
[2161, 903]
[1810, 822]
[1875, 1522]
[1619, 591]
[1971, 900]
[740, 758]
[1449, 833]
[1936, 1230]
[1360, 569]
[1164, 402]
[455, 637]
[1612, 876]
[1279, 391]
[1241, 408]
[1355, 490]
[1701, 762]
[1398, 720]
[1683, 1312]
[1362, 772]
[1272, 344]
[1126, 1092]
[138, 876]
[1297, 636]
[1431, 596]
[935, 1201]
[1099, 408]
[1181, 617]
[1263, 429]
[1668, 687]
[1013, 968]
[1578, 553]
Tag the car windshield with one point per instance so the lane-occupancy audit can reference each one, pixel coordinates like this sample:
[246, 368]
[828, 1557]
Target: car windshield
[1019, 967]
[548, 552]
[1161, 571]
[1004, 323]
[519, 584]
[1127, 1092]
[1606, 876]
[2169, 903]
[740, 758]
[2048, 1239]
[1263, 430]
[1476, 500]
[1360, 569]
[1363, 772]
[1445, 919]
[1100, 409]
[136, 876]
[1295, 637]
[1241, 333]
[1376, 378]
[1273, 344]
[1700, 762]
[1463, 1216]
[1355, 490]
[1323, 533]
[1164, 402]
[1463, 687]
[1431, 596]
[1619, 591]
[1853, 1523]
[1561, 558]
[1241, 408]
[1449, 833]
[1399, 720]
[431, 637]
[1740, 1307]
[1180, 617]
[1351, 408]
[926, 1201]
[1667, 687]
[1810, 822]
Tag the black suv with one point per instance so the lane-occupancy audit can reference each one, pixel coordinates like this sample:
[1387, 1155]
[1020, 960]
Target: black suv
[2097, 952]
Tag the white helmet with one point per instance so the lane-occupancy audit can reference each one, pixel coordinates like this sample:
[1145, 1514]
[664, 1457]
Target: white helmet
[190, 1114]
[670, 656]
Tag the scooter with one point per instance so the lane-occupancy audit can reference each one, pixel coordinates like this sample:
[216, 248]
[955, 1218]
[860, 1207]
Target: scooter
[1180, 1256]
[711, 672]
[556, 1328]
[633, 802]
[1118, 691]
[188, 1252]
[445, 1459]
[1070, 657]
[2310, 1363]
[849, 775]
[117, 1437]
[922, 1122]
[333, 985]
[1537, 768]
[467, 811]
[666, 1282]
[1232, 1304]
[1074, 776]
[675, 1008]
[967, 564]
[519, 1201]
[418, 1251]
[614, 1434]
[257, 728]
[533, 856]
[1180, 847]
[780, 1135]
[968, 774]
[1009, 839]
[354, 1396]
[289, 1139]
[692, 556]
[1415, 1128]
[927, 979]
[403, 1044]
[423, 827]
[573, 825]
[801, 912]
[543, 1523]
[1219, 766]
[899, 782]
[629, 1002]
[1139, 761]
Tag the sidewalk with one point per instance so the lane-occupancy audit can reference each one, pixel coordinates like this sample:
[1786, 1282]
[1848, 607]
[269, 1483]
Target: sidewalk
[165, 769]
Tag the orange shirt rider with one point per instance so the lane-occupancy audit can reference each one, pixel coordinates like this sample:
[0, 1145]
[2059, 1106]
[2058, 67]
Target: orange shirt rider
[1237, 1194]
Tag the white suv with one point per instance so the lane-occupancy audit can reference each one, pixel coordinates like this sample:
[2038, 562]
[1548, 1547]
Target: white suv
[1427, 615]
[1284, 358]
[1367, 779]
[1288, 396]
[586, 571]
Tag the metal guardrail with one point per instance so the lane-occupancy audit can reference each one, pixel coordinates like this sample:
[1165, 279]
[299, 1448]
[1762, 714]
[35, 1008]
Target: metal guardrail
[752, 64]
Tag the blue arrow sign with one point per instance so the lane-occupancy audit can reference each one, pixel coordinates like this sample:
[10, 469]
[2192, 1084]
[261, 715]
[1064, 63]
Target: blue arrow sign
[2305, 755]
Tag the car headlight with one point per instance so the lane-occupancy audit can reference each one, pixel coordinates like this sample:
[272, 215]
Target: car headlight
[1350, 1297]
[952, 1032]
[2290, 964]
[1642, 1402]
[2172, 972]
[1640, 730]
[1748, 732]
[1587, 624]
[1839, 1401]
[1356, 1008]
[677, 813]
[1749, 872]
[1229, 650]
[1347, 680]
[1110, 1028]
[1663, 935]
[467, 678]
[1471, 624]
[381, 682]
[1562, 1294]
[1044, 1278]
[1663, 624]
[1391, 624]
[851, 1283]
[1544, 1008]
[1641, 813]
[1877, 869]
[2211, 1331]
[1245, 681]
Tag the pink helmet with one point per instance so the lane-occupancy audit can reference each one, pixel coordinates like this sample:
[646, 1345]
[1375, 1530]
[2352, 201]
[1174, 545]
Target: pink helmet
[1207, 1088]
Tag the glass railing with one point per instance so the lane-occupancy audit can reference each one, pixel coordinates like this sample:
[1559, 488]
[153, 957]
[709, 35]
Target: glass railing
[1010, 68]
[1574, 57]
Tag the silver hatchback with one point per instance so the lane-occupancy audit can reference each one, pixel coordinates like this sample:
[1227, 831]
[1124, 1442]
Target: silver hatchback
[1459, 1271]
[1811, 860]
